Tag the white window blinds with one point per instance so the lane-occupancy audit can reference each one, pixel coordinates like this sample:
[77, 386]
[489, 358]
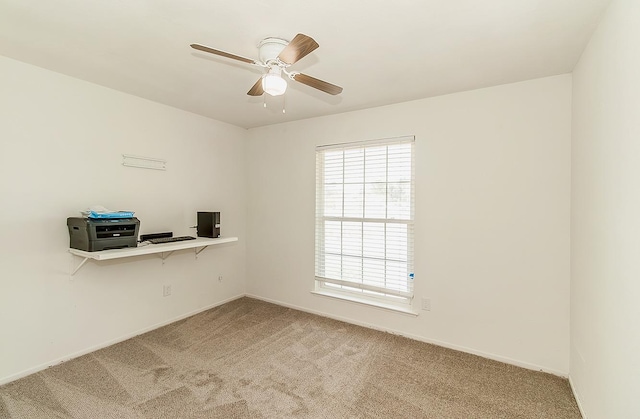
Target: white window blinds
[364, 217]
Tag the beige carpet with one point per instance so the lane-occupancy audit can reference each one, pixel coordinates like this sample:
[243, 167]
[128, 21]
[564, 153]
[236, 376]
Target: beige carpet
[251, 359]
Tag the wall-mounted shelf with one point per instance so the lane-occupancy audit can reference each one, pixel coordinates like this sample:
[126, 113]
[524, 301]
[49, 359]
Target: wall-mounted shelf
[199, 244]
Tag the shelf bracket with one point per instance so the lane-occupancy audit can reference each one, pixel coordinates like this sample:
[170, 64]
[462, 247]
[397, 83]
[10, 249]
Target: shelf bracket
[199, 251]
[162, 255]
[84, 260]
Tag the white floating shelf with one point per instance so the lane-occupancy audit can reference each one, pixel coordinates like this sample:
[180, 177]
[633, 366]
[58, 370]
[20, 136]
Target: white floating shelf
[168, 248]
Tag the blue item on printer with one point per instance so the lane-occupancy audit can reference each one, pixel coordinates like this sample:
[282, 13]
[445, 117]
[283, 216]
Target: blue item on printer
[114, 214]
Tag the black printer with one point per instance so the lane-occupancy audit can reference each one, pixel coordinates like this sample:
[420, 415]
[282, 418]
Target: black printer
[92, 235]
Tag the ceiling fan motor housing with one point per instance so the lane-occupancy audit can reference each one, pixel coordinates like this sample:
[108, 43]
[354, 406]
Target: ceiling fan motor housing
[270, 48]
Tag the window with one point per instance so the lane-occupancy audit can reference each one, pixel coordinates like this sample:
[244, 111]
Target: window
[364, 220]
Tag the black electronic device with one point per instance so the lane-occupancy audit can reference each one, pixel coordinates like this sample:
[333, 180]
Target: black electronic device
[161, 240]
[92, 235]
[208, 224]
[145, 237]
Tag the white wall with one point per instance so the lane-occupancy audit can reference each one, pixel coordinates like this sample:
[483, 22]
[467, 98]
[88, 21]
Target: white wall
[492, 223]
[61, 142]
[605, 218]
[492, 236]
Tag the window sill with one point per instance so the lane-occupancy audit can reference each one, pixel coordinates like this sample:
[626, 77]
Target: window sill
[367, 302]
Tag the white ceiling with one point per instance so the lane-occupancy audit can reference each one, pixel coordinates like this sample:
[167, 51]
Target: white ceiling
[379, 51]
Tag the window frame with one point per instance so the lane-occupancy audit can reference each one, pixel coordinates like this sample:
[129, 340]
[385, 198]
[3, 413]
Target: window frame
[344, 288]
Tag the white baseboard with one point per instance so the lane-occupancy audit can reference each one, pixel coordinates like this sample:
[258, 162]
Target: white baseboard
[85, 351]
[576, 396]
[487, 355]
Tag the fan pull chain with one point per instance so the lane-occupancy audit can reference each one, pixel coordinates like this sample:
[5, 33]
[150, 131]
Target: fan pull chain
[283, 103]
[264, 100]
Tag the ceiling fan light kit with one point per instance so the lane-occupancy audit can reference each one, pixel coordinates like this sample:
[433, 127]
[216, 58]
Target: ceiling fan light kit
[273, 83]
[276, 55]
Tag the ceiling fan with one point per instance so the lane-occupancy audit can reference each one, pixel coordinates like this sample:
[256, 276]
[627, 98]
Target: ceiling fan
[277, 55]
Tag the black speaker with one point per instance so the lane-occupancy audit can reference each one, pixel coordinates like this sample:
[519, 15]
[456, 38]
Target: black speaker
[208, 224]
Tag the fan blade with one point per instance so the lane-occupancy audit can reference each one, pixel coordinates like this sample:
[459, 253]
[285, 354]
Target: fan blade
[256, 90]
[299, 47]
[223, 54]
[332, 89]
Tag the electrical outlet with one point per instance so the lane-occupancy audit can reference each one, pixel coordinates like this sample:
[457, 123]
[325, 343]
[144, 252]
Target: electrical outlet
[220, 278]
[166, 290]
[426, 304]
